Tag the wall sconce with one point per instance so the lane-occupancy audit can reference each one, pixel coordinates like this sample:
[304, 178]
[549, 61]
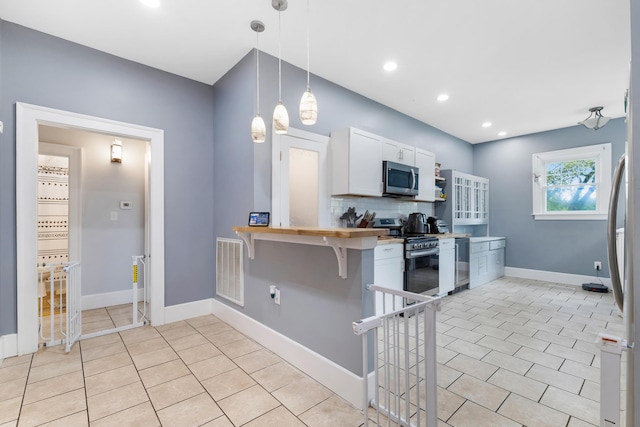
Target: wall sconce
[116, 151]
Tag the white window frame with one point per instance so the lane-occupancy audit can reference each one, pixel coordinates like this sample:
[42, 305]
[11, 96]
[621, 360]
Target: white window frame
[602, 155]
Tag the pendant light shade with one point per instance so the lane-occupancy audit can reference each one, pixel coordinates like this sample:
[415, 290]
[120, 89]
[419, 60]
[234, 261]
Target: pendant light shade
[308, 103]
[280, 114]
[308, 108]
[280, 119]
[258, 128]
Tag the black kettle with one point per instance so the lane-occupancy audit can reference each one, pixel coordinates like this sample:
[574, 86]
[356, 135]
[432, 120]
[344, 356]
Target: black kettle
[417, 224]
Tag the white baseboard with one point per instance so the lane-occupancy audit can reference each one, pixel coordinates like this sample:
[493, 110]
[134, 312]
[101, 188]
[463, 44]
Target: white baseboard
[8, 346]
[109, 299]
[333, 376]
[550, 276]
[175, 313]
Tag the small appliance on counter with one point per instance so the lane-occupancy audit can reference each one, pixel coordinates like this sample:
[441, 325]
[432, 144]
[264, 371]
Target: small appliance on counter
[393, 224]
[437, 226]
[417, 224]
[442, 226]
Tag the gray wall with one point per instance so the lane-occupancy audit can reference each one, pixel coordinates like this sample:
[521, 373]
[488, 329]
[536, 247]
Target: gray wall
[234, 107]
[107, 246]
[317, 306]
[242, 182]
[44, 70]
[558, 246]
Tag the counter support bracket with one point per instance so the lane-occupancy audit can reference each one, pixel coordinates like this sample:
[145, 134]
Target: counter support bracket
[340, 249]
[340, 245]
[248, 240]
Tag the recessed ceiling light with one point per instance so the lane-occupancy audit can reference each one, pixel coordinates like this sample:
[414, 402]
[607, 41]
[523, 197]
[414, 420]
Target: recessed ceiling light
[151, 3]
[390, 66]
[443, 97]
[486, 124]
[502, 133]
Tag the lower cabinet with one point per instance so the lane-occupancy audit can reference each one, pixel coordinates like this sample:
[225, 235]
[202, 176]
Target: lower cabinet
[486, 261]
[447, 262]
[389, 273]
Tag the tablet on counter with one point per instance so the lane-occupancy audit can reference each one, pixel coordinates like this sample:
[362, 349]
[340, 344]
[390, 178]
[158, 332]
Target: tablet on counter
[258, 219]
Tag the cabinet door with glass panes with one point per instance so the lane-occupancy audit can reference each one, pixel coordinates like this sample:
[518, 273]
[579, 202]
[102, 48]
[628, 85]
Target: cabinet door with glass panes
[470, 199]
[480, 200]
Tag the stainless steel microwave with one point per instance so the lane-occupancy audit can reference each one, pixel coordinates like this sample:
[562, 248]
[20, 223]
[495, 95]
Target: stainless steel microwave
[399, 179]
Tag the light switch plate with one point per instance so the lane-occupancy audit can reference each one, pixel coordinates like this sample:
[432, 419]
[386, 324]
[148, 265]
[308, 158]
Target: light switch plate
[126, 204]
[114, 216]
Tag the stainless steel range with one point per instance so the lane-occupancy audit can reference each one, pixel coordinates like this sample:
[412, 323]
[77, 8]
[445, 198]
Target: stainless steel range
[421, 257]
[421, 272]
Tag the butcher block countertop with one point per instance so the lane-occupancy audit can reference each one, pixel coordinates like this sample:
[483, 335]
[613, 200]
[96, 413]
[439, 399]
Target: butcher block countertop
[449, 235]
[341, 233]
[339, 239]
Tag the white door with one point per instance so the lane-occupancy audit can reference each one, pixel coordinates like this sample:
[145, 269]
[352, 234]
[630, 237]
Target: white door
[299, 180]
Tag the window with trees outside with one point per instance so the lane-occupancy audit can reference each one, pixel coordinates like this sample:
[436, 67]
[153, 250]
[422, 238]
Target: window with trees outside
[573, 183]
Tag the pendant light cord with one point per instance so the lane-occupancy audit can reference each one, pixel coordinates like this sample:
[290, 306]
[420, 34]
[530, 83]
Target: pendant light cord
[279, 59]
[258, 73]
[308, 87]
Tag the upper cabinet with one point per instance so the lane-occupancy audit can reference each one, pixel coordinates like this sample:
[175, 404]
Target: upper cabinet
[398, 152]
[356, 163]
[425, 162]
[467, 199]
[356, 156]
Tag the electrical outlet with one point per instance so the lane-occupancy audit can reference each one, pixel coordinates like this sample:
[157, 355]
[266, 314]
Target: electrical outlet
[597, 265]
[277, 297]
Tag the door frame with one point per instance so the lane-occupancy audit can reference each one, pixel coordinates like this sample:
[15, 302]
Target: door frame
[276, 173]
[28, 117]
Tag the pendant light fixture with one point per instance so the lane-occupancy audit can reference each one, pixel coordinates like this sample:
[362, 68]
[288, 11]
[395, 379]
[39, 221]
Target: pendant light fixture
[308, 103]
[280, 115]
[595, 120]
[258, 128]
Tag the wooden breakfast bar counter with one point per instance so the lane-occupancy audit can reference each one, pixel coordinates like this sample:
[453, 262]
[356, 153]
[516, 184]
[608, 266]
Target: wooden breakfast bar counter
[339, 239]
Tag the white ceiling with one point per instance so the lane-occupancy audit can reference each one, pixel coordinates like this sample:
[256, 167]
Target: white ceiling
[526, 66]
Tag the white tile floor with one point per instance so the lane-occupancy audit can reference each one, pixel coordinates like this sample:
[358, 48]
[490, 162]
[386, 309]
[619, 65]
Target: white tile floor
[513, 352]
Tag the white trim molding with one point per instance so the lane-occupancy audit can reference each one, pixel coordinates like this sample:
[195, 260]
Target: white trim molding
[550, 276]
[8, 346]
[109, 299]
[175, 313]
[344, 383]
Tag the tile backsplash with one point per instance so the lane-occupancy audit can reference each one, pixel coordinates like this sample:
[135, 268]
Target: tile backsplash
[383, 207]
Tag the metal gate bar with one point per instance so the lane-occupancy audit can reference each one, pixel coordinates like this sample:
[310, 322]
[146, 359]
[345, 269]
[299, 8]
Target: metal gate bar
[73, 307]
[68, 278]
[404, 331]
[136, 319]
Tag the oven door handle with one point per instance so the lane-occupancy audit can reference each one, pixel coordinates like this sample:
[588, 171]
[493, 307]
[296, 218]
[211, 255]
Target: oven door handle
[418, 254]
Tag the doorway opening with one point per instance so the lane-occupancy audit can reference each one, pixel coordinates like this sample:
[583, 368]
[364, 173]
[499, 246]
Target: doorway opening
[29, 118]
[299, 189]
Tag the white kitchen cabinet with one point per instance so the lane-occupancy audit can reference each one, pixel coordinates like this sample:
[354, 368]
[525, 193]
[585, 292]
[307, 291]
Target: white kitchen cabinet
[356, 163]
[398, 152]
[486, 260]
[389, 273]
[426, 164]
[467, 200]
[447, 266]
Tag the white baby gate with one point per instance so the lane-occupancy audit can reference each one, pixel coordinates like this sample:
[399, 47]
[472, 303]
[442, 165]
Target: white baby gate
[64, 278]
[404, 388]
[65, 295]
